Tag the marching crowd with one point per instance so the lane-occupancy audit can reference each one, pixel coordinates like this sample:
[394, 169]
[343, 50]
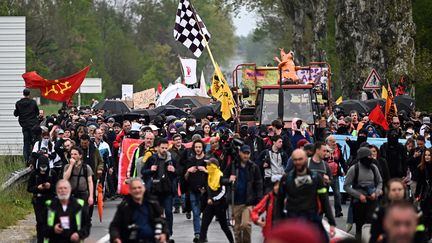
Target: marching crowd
[271, 176]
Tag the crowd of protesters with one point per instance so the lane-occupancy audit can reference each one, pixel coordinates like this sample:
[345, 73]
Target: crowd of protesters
[260, 174]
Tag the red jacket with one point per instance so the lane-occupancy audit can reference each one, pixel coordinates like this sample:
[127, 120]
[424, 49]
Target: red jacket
[265, 205]
[118, 140]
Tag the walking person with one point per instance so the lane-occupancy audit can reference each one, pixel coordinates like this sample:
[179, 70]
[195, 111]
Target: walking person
[248, 186]
[159, 174]
[196, 177]
[67, 221]
[138, 217]
[216, 201]
[303, 194]
[423, 192]
[42, 184]
[27, 112]
[364, 183]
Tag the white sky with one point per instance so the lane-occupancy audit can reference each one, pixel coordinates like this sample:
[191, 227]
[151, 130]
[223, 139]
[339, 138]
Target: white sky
[244, 21]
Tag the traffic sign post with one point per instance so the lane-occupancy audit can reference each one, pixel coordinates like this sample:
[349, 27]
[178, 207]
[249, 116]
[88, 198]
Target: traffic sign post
[373, 81]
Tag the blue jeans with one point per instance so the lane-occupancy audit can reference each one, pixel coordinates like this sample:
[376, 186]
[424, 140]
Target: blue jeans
[195, 198]
[336, 193]
[166, 202]
[350, 217]
[27, 147]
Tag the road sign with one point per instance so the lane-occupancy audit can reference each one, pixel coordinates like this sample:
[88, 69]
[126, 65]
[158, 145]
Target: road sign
[373, 81]
[91, 86]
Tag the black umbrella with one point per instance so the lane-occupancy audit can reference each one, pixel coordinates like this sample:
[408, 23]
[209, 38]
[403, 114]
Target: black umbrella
[350, 105]
[147, 114]
[126, 116]
[404, 103]
[169, 110]
[184, 103]
[203, 111]
[115, 106]
[371, 104]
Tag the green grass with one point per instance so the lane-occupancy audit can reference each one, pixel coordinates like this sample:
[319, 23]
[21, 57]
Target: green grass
[50, 109]
[15, 202]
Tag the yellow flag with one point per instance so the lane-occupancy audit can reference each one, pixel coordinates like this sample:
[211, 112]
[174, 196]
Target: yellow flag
[220, 91]
[339, 100]
[384, 92]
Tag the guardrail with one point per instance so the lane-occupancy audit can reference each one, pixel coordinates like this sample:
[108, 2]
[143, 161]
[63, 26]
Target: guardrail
[15, 176]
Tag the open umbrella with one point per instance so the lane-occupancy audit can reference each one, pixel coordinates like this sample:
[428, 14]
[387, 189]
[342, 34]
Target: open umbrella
[184, 103]
[404, 103]
[203, 111]
[371, 104]
[127, 116]
[100, 200]
[115, 106]
[350, 105]
[169, 110]
[147, 114]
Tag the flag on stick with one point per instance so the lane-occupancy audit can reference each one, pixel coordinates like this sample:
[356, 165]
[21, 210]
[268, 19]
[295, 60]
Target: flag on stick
[59, 89]
[384, 92]
[390, 108]
[339, 100]
[189, 28]
[221, 91]
[376, 116]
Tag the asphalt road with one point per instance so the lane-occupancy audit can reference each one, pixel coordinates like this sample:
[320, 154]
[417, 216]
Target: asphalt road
[183, 229]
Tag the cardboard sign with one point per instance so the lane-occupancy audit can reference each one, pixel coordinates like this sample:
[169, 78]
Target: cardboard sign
[141, 100]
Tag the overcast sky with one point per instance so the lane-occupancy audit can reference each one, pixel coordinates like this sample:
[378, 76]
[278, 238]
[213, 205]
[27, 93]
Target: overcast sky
[244, 22]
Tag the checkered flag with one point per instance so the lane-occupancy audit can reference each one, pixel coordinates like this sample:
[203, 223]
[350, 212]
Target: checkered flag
[186, 29]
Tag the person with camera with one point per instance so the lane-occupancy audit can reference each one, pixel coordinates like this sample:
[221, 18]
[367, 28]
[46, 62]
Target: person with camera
[364, 183]
[196, 178]
[138, 217]
[247, 192]
[41, 184]
[67, 221]
[414, 161]
[272, 162]
[159, 174]
[80, 176]
[303, 195]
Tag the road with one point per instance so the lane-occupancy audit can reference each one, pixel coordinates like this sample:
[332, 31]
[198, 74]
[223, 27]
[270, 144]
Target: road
[183, 229]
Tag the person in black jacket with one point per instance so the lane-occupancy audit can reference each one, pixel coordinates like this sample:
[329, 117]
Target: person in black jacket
[42, 184]
[395, 154]
[138, 217]
[159, 174]
[277, 127]
[27, 112]
[248, 191]
[216, 201]
[66, 219]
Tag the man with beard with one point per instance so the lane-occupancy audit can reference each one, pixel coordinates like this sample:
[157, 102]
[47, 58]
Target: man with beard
[395, 154]
[66, 219]
[124, 132]
[364, 183]
[159, 174]
[298, 194]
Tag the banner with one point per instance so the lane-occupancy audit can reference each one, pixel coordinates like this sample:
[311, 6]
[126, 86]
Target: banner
[128, 147]
[189, 70]
[142, 99]
[59, 89]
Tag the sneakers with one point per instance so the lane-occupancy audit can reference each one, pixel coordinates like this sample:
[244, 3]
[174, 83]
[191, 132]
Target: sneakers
[196, 238]
[176, 210]
[338, 215]
[188, 215]
[348, 227]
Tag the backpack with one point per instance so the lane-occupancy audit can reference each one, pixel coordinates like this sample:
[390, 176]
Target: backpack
[289, 179]
[356, 175]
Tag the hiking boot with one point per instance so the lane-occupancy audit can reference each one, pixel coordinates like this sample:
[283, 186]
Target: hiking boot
[188, 215]
[176, 210]
[338, 215]
[196, 238]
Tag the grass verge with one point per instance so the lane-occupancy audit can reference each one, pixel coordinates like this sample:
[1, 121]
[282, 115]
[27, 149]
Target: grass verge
[15, 202]
[50, 109]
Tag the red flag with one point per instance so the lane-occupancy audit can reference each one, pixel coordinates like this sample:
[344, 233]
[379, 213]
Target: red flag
[178, 96]
[127, 150]
[376, 116]
[159, 88]
[59, 89]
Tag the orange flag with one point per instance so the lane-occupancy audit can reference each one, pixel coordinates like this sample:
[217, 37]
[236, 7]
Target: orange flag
[390, 107]
[59, 89]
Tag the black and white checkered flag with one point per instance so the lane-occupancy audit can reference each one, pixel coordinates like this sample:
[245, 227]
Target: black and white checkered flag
[186, 29]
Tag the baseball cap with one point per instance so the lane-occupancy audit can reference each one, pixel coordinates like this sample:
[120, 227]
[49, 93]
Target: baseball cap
[153, 127]
[426, 120]
[60, 131]
[245, 148]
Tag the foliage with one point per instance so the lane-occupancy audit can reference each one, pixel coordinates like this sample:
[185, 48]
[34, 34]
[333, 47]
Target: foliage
[129, 43]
